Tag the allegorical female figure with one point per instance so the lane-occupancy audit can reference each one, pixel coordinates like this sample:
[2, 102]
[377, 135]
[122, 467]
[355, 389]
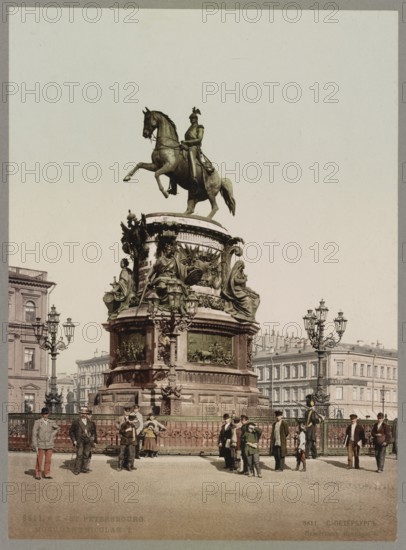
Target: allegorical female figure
[241, 301]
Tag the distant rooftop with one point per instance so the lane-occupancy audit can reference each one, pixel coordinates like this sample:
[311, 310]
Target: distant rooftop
[29, 276]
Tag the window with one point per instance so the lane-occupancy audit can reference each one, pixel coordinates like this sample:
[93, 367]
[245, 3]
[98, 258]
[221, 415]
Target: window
[259, 373]
[29, 355]
[394, 374]
[362, 370]
[29, 402]
[369, 395]
[277, 373]
[355, 393]
[286, 394]
[382, 372]
[29, 309]
[361, 394]
[339, 413]
[376, 396]
[376, 371]
[304, 373]
[314, 370]
[388, 372]
[295, 371]
[295, 394]
[340, 368]
[369, 371]
[302, 394]
[394, 396]
[354, 369]
[287, 371]
[277, 395]
[339, 392]
[287, 413]
[267, 373]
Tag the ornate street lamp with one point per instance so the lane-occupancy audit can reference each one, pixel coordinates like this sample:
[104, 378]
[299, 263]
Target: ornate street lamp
[46, 335]
[314, 323]
[171, 322]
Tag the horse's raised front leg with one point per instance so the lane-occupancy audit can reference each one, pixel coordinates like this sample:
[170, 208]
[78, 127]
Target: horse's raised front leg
[167, 167]
[150, 166]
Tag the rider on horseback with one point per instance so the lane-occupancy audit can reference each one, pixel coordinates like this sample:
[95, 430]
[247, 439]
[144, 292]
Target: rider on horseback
[192, 144]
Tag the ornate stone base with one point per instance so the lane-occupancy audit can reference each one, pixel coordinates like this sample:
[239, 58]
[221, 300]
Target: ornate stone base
[212, 354]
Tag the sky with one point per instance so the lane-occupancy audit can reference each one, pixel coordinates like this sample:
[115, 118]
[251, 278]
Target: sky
[302, 117]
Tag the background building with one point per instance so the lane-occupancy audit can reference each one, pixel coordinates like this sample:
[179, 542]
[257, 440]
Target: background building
[67, 387]
[360, 378]
[27, 362]
[90, 377]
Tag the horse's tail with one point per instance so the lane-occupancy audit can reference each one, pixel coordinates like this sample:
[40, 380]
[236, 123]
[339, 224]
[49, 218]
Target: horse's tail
[226, 191]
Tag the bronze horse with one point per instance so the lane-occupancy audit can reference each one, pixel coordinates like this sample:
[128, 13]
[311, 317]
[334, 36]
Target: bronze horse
[170, 160]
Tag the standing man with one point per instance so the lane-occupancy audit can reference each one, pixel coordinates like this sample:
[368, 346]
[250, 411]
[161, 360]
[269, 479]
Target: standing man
[382, 437]
[311, 419]
[224, 440]
[83, 436]
[89, 417]
[43, 437]
[278, 448]
[139, 423]
[354, 438]
[244, 428]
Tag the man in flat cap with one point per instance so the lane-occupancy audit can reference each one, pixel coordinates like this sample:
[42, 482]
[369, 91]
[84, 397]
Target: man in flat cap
[43, 437]
[354, 439]
[381, 435]
[83, 435]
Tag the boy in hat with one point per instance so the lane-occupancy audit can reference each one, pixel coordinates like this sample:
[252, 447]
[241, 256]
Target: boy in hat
[301, 447]
[128, 441]
[251, 438]
[354, 438]
[83, 436]
[278, 448]
[382, 437]
[43, 437]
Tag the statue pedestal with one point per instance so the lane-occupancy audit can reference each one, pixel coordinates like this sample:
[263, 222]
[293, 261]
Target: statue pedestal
[213, 356]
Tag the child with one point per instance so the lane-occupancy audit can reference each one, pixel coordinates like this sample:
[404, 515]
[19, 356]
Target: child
[250, 439]
[301, 447]
[127, 443]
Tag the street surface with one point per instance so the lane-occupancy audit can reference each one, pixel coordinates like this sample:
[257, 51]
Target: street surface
[191, 497]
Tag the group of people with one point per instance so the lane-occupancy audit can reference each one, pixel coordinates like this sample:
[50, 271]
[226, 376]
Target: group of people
[134, 435]
[239, 442]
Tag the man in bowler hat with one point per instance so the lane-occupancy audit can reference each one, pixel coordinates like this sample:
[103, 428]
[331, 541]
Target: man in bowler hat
[354, 439]
[381, 435]
[43, 437]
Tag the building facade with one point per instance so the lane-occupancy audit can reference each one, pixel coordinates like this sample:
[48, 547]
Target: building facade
[27, 362]
[90, 377]
[360, 379]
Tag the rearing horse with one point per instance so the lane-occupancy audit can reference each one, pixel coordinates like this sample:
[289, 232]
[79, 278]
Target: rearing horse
[170, 160]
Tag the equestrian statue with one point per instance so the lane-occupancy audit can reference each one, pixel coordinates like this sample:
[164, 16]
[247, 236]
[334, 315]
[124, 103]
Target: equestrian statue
[183, 162]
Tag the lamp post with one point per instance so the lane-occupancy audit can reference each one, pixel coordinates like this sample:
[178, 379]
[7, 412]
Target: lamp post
[46, 335]
[314, 323]
[171, 321]
[383, 391]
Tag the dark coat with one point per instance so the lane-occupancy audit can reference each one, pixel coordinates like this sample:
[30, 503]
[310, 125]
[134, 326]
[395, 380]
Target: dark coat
[80, 432]
[284, 432]
[359, 435]
[383, 435]
[128, 433]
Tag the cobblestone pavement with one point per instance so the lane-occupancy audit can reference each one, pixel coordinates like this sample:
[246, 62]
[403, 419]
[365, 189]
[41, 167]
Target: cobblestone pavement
[190, 497]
